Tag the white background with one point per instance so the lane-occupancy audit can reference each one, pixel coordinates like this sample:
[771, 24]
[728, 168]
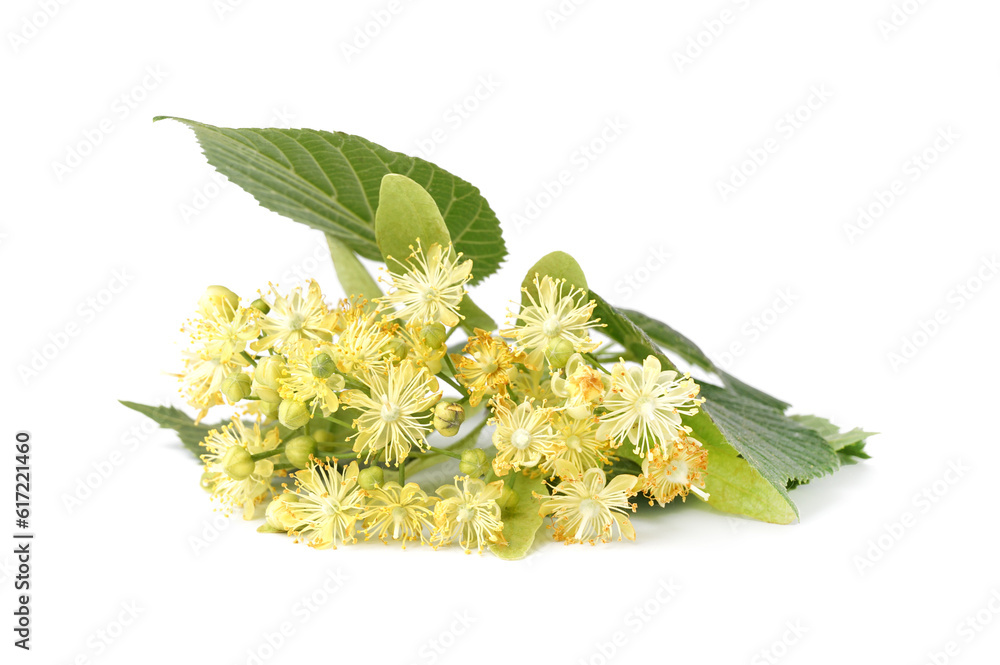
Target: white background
[856, 583]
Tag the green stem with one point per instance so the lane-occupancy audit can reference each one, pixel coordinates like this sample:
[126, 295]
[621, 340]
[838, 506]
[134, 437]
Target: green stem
[268, 453]
[443, 451]
[435, 457]
[340, 422]
[592, 358]
[249, 358]
[402, 473]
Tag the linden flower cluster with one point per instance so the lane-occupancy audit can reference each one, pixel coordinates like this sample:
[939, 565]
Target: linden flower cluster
[337, 403]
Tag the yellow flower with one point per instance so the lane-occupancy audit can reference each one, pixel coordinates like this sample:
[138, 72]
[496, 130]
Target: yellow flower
[665, 477]
[302, 384]
[240, 492]
[328, 505]
[432, 287]
[400, 513]
[295, 317]
[470, 513]
[489, 368]
[582, 389]
[396, 415]
[201, 380]
[223, 332]
[577, 443]
[558, 313]
[523, 435]
[586, 508]
[645, 405]
[363, 344]
[418, 350]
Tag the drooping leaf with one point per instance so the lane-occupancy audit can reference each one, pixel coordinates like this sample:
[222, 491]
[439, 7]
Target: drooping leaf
[169, 417]
[850, 446]
[521, 523]
[331, 181]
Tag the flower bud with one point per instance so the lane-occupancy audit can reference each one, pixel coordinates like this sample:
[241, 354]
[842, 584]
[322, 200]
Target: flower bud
[261, 305]
[558, 352]
[219, 301]
[397, 348]
[269, 409]
[322, 366]
[267, 377]
[369, 477]
[238, 463]
[279, 513]
[237, 386]
[208, 480]
[323, 436]
[434, 335]
[508, 498]
[293, 414]
[448, 418]
[473, 462]
[299, 449]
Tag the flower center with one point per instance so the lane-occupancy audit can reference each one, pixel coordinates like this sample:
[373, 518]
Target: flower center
[679, 474]
[465, 515]
[390, 412]
[520, 439]
[646, 406]
[429, 294]
[573, 443]
[295, 321]
[590, 508]
[552, 326]
[330, 507]
[398, 515]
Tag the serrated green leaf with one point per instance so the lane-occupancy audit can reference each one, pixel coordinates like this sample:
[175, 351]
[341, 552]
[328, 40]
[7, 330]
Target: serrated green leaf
[850, 446]
[521, 523]
[169, 417]
[671, 340]
[331, 181]
[353, 276]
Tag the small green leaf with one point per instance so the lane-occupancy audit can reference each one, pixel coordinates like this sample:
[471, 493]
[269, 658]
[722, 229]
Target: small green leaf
[521, 523]
[474, 317]
[353, 276]
[331, 181]
[850, 446]
[168, 417]
[558, 265]
[406, 213]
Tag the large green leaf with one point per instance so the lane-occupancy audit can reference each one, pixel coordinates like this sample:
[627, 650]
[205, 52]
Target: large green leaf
[331, 180]
[521, 523]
